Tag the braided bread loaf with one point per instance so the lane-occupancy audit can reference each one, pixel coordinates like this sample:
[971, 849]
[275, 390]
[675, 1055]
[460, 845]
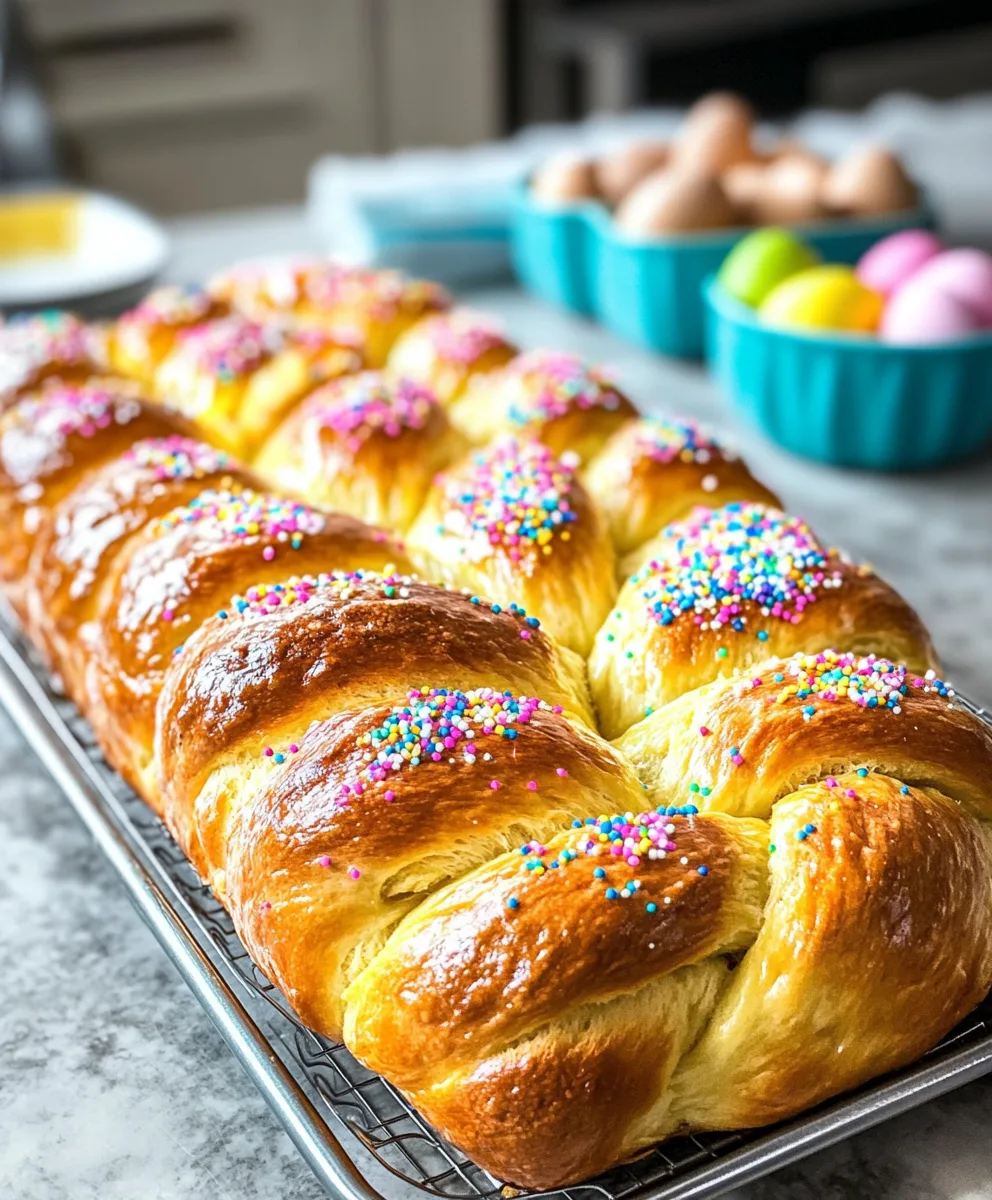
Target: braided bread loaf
[658, 971]
[561, 949]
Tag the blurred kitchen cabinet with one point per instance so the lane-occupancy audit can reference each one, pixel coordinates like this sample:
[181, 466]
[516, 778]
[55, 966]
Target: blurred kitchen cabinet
[443, 71]
[195, 104]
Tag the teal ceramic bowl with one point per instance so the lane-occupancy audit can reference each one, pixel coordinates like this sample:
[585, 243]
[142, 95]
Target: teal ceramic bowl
[851, 400]
[650, 291]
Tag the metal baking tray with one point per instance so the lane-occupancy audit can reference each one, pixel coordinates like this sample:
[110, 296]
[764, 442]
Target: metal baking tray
[336, 1111]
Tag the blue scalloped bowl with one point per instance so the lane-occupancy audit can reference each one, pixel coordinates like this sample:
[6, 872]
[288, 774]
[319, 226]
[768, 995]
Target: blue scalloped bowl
[851, 400]
[649, 291]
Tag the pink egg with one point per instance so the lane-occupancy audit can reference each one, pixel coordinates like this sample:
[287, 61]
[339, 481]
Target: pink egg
[890, 262]
[920, 313]
[967, 276]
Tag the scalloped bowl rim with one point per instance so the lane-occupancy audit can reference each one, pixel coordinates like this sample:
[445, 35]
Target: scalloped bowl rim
[730, 309]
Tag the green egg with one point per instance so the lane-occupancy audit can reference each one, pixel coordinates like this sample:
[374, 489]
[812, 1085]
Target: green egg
[760, 261]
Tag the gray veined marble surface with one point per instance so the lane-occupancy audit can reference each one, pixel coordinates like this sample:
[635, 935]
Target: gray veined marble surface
[113, 1084]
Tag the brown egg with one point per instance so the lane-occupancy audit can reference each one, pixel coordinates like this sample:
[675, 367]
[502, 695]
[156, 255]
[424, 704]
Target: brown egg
[675, 200]
[743, 183]
[869, 179]
[563, 178]
[789, 191]
[617, 173]
[716, 133]
[790, 148]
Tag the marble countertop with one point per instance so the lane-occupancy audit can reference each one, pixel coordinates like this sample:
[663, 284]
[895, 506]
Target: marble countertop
[113, 1083]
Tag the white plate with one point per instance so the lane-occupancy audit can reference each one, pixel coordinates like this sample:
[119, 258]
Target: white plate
[118, 246]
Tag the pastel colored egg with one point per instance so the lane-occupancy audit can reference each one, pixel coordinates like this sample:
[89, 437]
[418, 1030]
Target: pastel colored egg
[761, 261]
[825, 297]
[890, 262]
[921, 313]
[967, 276]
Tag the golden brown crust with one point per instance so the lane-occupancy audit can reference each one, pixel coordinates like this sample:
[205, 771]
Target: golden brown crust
[749, 740]
[363, 444]
[47, 346]
[514, 523]
[468, 970]
[552, 397]
[338, 643]
[503, 972]
[237, 378]
[355, 853]
[141, 338]
[49, 441]
[181, 569]
[727, 589]
[842, 982]
[447, 351]
[655, 471]
[376, 306]
[92, 525]
[538, 1014]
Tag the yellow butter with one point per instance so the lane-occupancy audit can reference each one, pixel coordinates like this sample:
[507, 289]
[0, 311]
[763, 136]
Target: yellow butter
[38, 224]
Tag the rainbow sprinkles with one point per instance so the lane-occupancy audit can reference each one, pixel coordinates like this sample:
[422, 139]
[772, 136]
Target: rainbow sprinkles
[515, 496]
[564, 383]
[359, 406]
[664, 440]
[736, 556]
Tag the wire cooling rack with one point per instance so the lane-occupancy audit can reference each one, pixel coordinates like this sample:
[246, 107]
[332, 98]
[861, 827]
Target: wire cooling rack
[337, 1112]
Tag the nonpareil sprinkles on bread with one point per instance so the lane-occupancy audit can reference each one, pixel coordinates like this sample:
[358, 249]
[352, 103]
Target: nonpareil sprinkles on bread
[437, 722]
[228, 347]
[174, 304]
[385, 294]
[516, 610]
[870, 682]
[435, 725]
[628, 838]
[462, 336]
[39, 425]
[515, 495]
[732, 555]
[665, 440]
[82, 409]
[177, 457]
[301, 589]
[565, 383]
[359, 406]
[52, 336]
[248, 514]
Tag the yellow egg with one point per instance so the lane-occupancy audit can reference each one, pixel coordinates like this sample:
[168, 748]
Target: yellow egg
[826, 297]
